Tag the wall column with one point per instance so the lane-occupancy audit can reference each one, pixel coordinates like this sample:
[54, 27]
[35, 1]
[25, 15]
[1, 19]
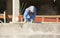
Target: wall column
[15, 10]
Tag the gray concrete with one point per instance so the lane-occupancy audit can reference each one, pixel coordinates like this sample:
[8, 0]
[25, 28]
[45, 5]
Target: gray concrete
[30, 30]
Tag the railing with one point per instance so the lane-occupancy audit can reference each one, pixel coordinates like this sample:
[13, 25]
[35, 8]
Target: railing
[39, 18]
[47, 18]
[3, 16]
[44, 18]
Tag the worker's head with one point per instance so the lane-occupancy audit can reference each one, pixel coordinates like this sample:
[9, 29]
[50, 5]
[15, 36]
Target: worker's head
[31, 8]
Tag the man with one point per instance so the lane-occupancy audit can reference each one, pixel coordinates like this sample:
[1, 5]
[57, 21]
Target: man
[29, 14]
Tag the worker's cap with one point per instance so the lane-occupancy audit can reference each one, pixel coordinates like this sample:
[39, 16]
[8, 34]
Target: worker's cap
[31, 8]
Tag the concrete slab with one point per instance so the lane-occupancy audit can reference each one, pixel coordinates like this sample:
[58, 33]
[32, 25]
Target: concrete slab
[29, 30]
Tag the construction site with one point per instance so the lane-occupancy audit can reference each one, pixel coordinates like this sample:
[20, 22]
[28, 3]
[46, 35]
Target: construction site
[46, 23]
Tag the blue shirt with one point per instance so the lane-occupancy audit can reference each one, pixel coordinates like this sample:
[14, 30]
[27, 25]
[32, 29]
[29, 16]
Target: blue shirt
[27, 15]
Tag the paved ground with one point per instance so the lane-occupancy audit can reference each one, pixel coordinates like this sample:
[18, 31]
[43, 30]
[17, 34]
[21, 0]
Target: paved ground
[30, 30]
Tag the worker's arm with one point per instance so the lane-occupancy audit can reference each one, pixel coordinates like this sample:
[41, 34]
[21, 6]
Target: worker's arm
[26, 15]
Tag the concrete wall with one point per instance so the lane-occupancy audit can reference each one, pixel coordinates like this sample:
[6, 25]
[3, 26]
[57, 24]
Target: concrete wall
[30, 30]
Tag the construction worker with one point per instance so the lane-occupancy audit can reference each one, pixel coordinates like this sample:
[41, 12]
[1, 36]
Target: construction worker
[29, 14]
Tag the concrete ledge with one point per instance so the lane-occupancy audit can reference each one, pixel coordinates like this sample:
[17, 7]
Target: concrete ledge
[30, 30]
